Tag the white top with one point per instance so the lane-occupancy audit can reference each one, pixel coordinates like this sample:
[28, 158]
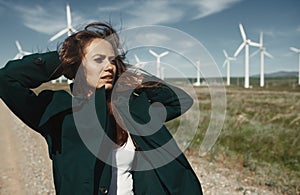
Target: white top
[122, 160]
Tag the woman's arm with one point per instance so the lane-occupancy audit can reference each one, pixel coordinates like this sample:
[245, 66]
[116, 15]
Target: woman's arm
[175, 100]
[19, 76]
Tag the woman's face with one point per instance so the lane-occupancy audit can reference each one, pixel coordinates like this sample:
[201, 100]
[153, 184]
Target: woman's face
[97, 64]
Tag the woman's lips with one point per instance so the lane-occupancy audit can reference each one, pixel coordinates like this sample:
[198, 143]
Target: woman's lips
[107, 78]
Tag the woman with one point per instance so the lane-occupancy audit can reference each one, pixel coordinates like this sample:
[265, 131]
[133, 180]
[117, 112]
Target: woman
[92, 58]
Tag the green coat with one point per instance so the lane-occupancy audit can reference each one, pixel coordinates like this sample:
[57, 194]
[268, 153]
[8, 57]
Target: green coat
[75, 169]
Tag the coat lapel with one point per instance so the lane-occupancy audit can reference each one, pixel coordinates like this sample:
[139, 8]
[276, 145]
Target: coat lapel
[61, 101]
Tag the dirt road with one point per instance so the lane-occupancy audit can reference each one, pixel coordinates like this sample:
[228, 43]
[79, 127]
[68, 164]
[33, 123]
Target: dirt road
[24, 164]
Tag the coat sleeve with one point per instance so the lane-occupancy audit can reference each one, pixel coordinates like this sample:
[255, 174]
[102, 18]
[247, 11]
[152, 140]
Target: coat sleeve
[175, 100]
[18, 77]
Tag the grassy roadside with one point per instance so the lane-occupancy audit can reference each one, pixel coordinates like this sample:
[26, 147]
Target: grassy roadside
[261, 133]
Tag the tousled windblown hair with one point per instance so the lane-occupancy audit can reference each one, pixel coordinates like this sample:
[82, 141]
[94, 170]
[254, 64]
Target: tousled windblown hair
[73, 48]
[72, 52]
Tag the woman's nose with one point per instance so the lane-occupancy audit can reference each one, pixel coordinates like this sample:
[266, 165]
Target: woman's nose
[108, 66]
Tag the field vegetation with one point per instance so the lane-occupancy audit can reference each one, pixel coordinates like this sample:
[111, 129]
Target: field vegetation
[261, 132]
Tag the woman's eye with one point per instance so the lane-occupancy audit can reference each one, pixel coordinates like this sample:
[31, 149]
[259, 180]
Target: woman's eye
[98, 60]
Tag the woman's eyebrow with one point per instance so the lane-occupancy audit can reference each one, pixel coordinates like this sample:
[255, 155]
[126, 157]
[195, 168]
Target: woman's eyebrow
[100, 55]
[111, 57]
[103, 56]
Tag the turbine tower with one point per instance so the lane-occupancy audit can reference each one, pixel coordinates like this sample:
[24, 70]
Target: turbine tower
[158, 56]
[69, 29]
[297, 51]
[227, 63]
[246, 42]
[263, 52]
[21, 52]
[198, 74]
[162, 73]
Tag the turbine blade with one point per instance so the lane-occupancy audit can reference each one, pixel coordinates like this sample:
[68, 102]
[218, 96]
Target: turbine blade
[225, 62]
[242, 32]
[239, 49]
[18, 46]
[153, 53]
[294, 49]
[268, 54]
[69, 20]
[254, 44]
[26, 53]
[60, 33]
[261, 39]
[163, 54]
[254, 53]
[136, 58]
[225, 53]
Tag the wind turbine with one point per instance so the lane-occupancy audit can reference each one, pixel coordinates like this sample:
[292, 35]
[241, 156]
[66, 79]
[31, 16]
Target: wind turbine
[139, 63]
[297, 51]
[246, 42]
[227, 63]
[21, 52]
[61, 79]
[263, 52]
[69, 29]
[198, 74]
[158, 61]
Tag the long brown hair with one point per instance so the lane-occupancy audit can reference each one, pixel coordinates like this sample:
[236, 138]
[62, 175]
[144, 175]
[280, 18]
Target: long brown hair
[72, 52]
[73, 48]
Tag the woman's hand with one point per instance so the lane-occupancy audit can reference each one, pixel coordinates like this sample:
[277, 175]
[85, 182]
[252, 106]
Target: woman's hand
[100, 83]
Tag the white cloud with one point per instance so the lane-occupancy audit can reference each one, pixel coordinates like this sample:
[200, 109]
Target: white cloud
[46, 19]
[280, 33]
[149, 12]
[209, 7]
[154, 12]
[153, 38]
[51, 17]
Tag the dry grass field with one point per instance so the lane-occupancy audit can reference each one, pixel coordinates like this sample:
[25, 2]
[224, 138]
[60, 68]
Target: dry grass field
[261, 133]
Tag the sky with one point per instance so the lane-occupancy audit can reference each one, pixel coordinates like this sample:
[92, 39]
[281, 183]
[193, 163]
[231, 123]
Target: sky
[213, 23]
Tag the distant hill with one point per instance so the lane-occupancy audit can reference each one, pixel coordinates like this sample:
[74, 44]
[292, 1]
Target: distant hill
[280, 74]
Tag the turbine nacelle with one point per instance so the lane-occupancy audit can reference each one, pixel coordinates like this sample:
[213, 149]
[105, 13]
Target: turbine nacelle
[69, 29]
[20, 53]
[228, 59]
[158, 56]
